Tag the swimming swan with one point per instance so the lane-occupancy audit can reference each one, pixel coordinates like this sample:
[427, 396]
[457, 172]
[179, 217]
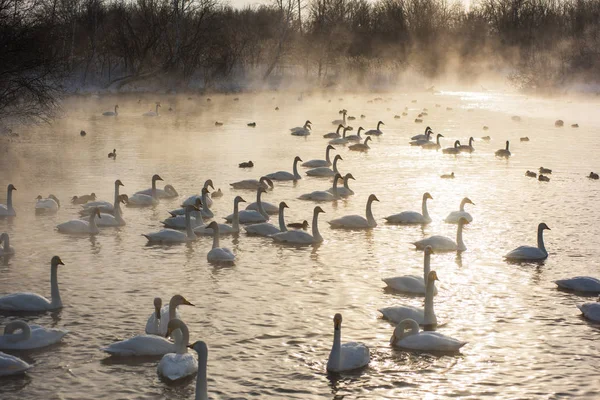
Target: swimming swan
[6, 249]
[144, 200]
[581, 284]
[223, 228]
[106, 219]
[286, 176]
[530, 253]
[357, 221]
[433, 146]
[206, 200]
[341, 121]
[375, 132]
[348, 356]
[168, 192]
[407, 336]
[302, 130]
[152, 113]
[8, 210]
[168, 236]
[442, 243]
[252, 216]
[267, 229]
[344, 191]
[467, 148]
[326, 171]
[11, 365]
[590, 311]
[322, 195]
[424, 136]
[503, 152]
[253, 184]
[30, 336]
[49, 205]
[413, 284]
[301, 237]
[78, 227]
[218, 254]
[159, 326]
[174, 366]
[455, 216]
[320, 163]
[424, 316]
[453, 150]
[412, 217]
[361, 146]
[334, 135]
[341, 140]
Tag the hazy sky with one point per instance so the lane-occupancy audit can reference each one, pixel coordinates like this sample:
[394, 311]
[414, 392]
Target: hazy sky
[242, 3]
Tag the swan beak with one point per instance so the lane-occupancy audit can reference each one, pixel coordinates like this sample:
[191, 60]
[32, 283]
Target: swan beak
[60, 262]
[190, 345]
[187, 303]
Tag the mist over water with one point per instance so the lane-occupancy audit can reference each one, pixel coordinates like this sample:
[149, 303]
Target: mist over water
[267, 320]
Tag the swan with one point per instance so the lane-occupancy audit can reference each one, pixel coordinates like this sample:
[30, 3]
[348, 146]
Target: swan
[301, 237]
[467, 148]
[7, 249]
[375, 132]
[357, 137]
[424, 136]
[112, 218]
[165, 314]
[302, 131]
[8, 210]
[172, 235]
[322, 195]
[442, 243]
[320, 163]
[341, 121]
[86, 198]
[346, 357]
[326, 171]
[32, 301]
[286, 176]
[218, 254]
[252, 216]
[341, 140]
[174, 366]
[590, 311]
[177, 221]
[424, 141]
[11, 365]
[422, 341]
[412, 217]
[452, 150]
[424, 316]
[583, 284]
[455, 216]
[361, 146]
[253, 184]
[413, 284]
[223, 228]
[111, 113]
[530, 253]
[143, 345]
[357, 221]
[49, 205]
[267, 229]
[206, 200]
[433, 146]
[168, 192]
[153, 323]
[77, 226]
[113, 154]
[299, 128]
[30, 336]
[104, 206]
[503, 152]
[334, 135]
[152, 113]
[145, 200]
[344, 191]
[201, 384]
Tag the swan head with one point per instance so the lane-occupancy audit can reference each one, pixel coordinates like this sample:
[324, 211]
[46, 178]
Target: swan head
[204, 191]
[157, 306]
[337, 321]
[173, 325]
[340, 126]
[117, 106]
[308, 122]
[208, 183]
[367, 139]
[360, 128]
[123, 198]
[239, 199]
[297, 159]
[457, 143]
[467, 200]
[432, 276]
[56, 261]
[283, 205]
[429, 250]
[427, 196]
[318, 210]
[349, 176]
[463, 221]
[337, 157]
[380, 123]
[428, 129]
[118, 183]
[156, 177]
[543, 226]
[372, 198]
[330, 147]
[39, 197]
[200, 347]
[439, 135]
[53, 197]
[179, 300]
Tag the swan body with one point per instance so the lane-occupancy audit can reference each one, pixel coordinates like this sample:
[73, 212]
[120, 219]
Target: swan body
[301, 237]
[530, 253]
[223, 228]
[141, 345]
[361, 146]
[423, 316]
[287, 176]
[320, 163]
[158, 321]
[582, 284]
[334, 135]
[30, 336]
[11, 365]
[6, 249]
[326, 171]
[145, 200]
[590, 311]
[8, 210]
[453, 150]
[357, 137]
[152, 113]
[253, 184]
[455, 216]
[505, 153]
[357, 221]
[267, 229]
[341, 121]
[344, 191]
[251, 216]
[413, 284]
[322, 195]
[168, 236]
[31, 302]
[302, 130]
[422, 341]
[111, 113]
[341, 140]
[168, 192]
[49, 205]
[467, 148]
[424, 136]
[106, 219]
[218, 254]
[269, 208]
[77, 226]
[423, 141]
[442, 243]
[377, 131]
[348, 356]
[433, 145]
[206, 200]
[412, 217]
[174, 366]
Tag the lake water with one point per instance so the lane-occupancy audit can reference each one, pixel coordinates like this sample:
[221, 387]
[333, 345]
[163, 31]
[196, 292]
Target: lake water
[267, 320]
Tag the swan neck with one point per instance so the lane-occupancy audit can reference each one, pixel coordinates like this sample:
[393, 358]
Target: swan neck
[25, 333]
[327, 155]
[315, 228]
[462, 205]
[235, 223]
[153, 189]
[204, 200]
[181, 341]
[201, 383]
[296, 174]
[369, 212]
[346, 179]
[9, 204]
[54, 292]
[188, 224]
[335, 357]
[426, 267]
[429, 314]
[215, 237]
[424, 208]
[335, 170]
[282, 226]
[335, 190]
[259, 205]
[540, 240]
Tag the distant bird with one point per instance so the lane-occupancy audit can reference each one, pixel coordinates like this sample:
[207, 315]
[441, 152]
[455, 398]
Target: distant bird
[252, 124]
[418, 121]
[503, 152]
[248, 164]
[152, 113]
[113, 154]
[593, 175]
[531, 174]
[111, 113]
[298, 225]
[217, 123]
[276, 108]
[486, 138]
[525, 139]
[82, 133]
[83, 199]
[545, 170]
[516, 118]
[543, 178]
[574, 125]
[559, 123]
[447, 176]
[485, 128]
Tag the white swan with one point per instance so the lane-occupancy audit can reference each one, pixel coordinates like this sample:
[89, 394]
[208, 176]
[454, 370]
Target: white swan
[302, 130]
[326, 171]
[334, 135]
[361, 146]
[323, 195]
[590, 311]
[168, 192]
[455, 216]
[111, 113]
[467, 148]
[30, 336]
[8, 210]
[253, 184]
[344, 191]
[341, 121]
[205, 198]
[357, 221]
[144, 200]
[114, 219]
[34, 302]
[6, 249]
[357, 137]
[218, 254]
[375, 132]
[424, 316]
[505, 153]
[77, 226]
[267, 229]
[165, 314]
[143, 345]
[423, 136]
[11, 365]
[530, 253]
[152, 113]
[442, 243]
[413, 284]
[412, 217]
[432, 145]
[348, 356]
[422, 341]
[252, 216]
[201, 383]
[581, 284]
[301, 237]
[49, 205]
[223, 228]
[153, 323]
[286, 176]
[320, 163]
[174, 366]
[341, 140]
[422, 142]
[173, 236]
[453, 150]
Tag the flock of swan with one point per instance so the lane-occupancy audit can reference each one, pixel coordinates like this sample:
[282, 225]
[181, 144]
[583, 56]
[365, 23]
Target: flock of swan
[166, 334]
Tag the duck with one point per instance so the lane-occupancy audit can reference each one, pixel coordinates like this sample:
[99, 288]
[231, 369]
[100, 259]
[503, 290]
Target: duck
[216, 194]
[342, 140]
[423, 136]
[413, 284]
[546, 171]
[86, 198]
[486, 138]
[344, 191]
[49, 205]
[169, 236]
[357, 137]
[361, 146]
[287, 176]
[423, 316]
[301, 237]
[407, 336]
[320, 163]
[432, 145]
[357, 221]
[467, 148]
[218, 123]
[77, 226]
[218, 254]
[447, 176]
[158, 321]
[505, 153]
[113, 154]
[267, 229]
[593, 175]
[323, 195]
[140, 199]
[348, 356]
[590, 311]
[543, 178]
[530, 253]
[334, 135]
[531, 174]
[251, 124]
[581, 284]
[253, 184]
[298, 225]
[152, 113]
[442, 243]
[178, 365]
[326, 171]
[223, 228]
[412, 217]
[247, 164]
[377, 131]
[455, 216]
[82, 133]
[206, 200]
[252, 216]
[111, 113]
[341, 121]
[29, 337]
[453, 150]
[524, 139]
[559, 123]
[6, 249]
[12, 365]
[31, 302]
[302, 130]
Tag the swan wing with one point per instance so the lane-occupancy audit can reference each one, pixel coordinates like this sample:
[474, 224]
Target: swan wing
[354, 355]
[248, 217]
[430, 341]
[220, 254]
[524, 253]
[591, 311]
[350, 222]
[167, 236]
[24, 302]
[322, 171]
[281, 176]
[293, 237]
[437, 243]
[74, 226]
[580, 284]
[406, 284]
[269, 207]
[107, 220]
[142, 345]
[406, 217]
[397, 314]
[316, 164]
[11, 365]
[177, 366]
[262, 229]
[455, 216]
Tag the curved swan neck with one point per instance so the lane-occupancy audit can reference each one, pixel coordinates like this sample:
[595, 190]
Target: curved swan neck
[426, 267]
[9, 204]
[259, 205]
[282, 226]
[462, 205]
[54, 292]
[235, 223]
[335, 165]
[201, 383]
[315, 228]
[215, 237]
[188, 224]
[296, 174]
[429, 314]
[378, 125]
[182, 341]
[424, 210]
[327, 155]
[346, 179]
[369, 212]
[25, 333]
[540, 239]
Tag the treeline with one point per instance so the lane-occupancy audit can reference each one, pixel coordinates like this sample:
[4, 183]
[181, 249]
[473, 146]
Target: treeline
[202, 43]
